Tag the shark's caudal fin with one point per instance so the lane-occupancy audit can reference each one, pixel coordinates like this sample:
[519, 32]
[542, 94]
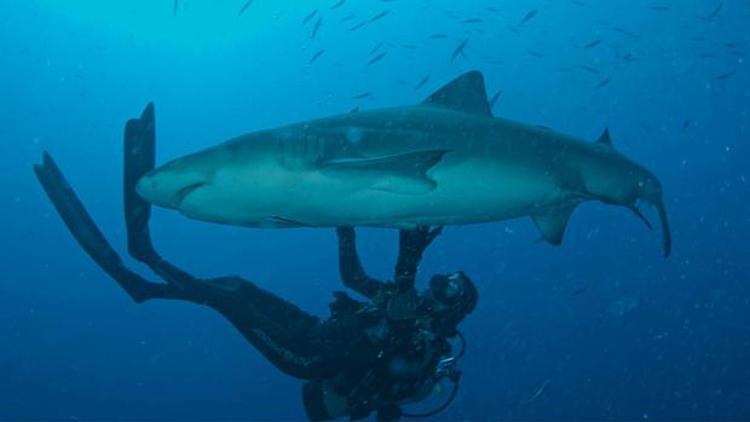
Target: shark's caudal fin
[656, 200]
[552, 224]
[665, 230]
[466, 93]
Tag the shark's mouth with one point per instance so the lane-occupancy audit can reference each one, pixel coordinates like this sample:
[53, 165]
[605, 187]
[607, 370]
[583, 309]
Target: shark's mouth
[185, 192]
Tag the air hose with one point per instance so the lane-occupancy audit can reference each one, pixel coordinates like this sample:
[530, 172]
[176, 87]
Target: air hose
[453, 374]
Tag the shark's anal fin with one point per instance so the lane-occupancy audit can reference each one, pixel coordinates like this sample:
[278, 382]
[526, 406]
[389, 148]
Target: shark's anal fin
[466, 93]
[401, 173]
[552, 224]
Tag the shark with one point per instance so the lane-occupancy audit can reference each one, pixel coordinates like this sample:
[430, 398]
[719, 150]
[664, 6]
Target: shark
[444, 161]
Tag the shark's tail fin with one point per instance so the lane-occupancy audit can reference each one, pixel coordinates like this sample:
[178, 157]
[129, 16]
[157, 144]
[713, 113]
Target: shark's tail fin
[666, 233]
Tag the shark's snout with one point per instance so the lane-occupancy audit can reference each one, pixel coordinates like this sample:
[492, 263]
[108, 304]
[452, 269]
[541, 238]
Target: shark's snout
[168, 189]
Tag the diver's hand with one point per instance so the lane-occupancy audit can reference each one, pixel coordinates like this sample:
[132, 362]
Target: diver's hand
[345, 234]
[419, 239]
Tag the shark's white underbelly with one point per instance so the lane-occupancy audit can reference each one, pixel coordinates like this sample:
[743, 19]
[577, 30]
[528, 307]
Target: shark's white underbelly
[469, 192]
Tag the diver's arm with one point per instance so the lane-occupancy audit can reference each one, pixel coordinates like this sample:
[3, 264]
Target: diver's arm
[412, 244]
[350, 267]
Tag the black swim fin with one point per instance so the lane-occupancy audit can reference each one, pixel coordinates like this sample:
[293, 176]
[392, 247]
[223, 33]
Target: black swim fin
[139, 158]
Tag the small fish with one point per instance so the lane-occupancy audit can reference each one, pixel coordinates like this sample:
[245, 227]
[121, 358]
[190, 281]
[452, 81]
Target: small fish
[628, 57]
[338, 4]
[686, 124]
[376, 48]
[535, 53]
[309, 17]
[423, 82]
[354, 110]
[592, 44]
[176, 7]
[438, 36]
[590, 69]
[624, 31]
[472, 20]
[380, 15]
[494, 99]
[362, 96]
[316, 28]
[529, 16]
[377, 58]
[724, 76]
[577, 291]
[245, 6]
[357, 26]
[706, 55]
[603, 83]
[460, 49]
[316, 56]
[714, 12]
[409, 46]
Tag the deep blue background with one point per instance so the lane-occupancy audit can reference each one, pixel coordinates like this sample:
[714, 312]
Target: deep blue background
[648, 338]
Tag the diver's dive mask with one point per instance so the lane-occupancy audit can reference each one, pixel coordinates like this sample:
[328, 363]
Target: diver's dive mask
[453, 294]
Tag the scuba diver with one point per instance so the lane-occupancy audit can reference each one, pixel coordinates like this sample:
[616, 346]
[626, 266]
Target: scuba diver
[372, 356]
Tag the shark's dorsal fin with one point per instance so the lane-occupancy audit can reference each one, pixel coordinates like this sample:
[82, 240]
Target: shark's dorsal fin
[552, 224]
[604, 138]
[465, 93]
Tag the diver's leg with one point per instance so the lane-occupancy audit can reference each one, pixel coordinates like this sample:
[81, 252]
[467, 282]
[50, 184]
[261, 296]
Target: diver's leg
[287, 336]
[283, 333]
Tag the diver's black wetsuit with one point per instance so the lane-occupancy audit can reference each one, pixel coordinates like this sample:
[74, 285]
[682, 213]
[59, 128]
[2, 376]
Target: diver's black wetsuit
[366, 357]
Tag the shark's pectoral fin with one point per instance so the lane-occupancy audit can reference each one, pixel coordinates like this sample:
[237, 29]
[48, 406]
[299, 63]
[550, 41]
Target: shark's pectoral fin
[552, 224]
[465, 93]
[401, 173]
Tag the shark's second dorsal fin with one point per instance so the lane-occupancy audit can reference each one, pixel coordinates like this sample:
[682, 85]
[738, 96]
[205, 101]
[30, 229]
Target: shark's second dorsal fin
[465, 93]
[604, 138]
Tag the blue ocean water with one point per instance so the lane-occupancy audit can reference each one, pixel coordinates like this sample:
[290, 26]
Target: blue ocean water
[602, 327]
